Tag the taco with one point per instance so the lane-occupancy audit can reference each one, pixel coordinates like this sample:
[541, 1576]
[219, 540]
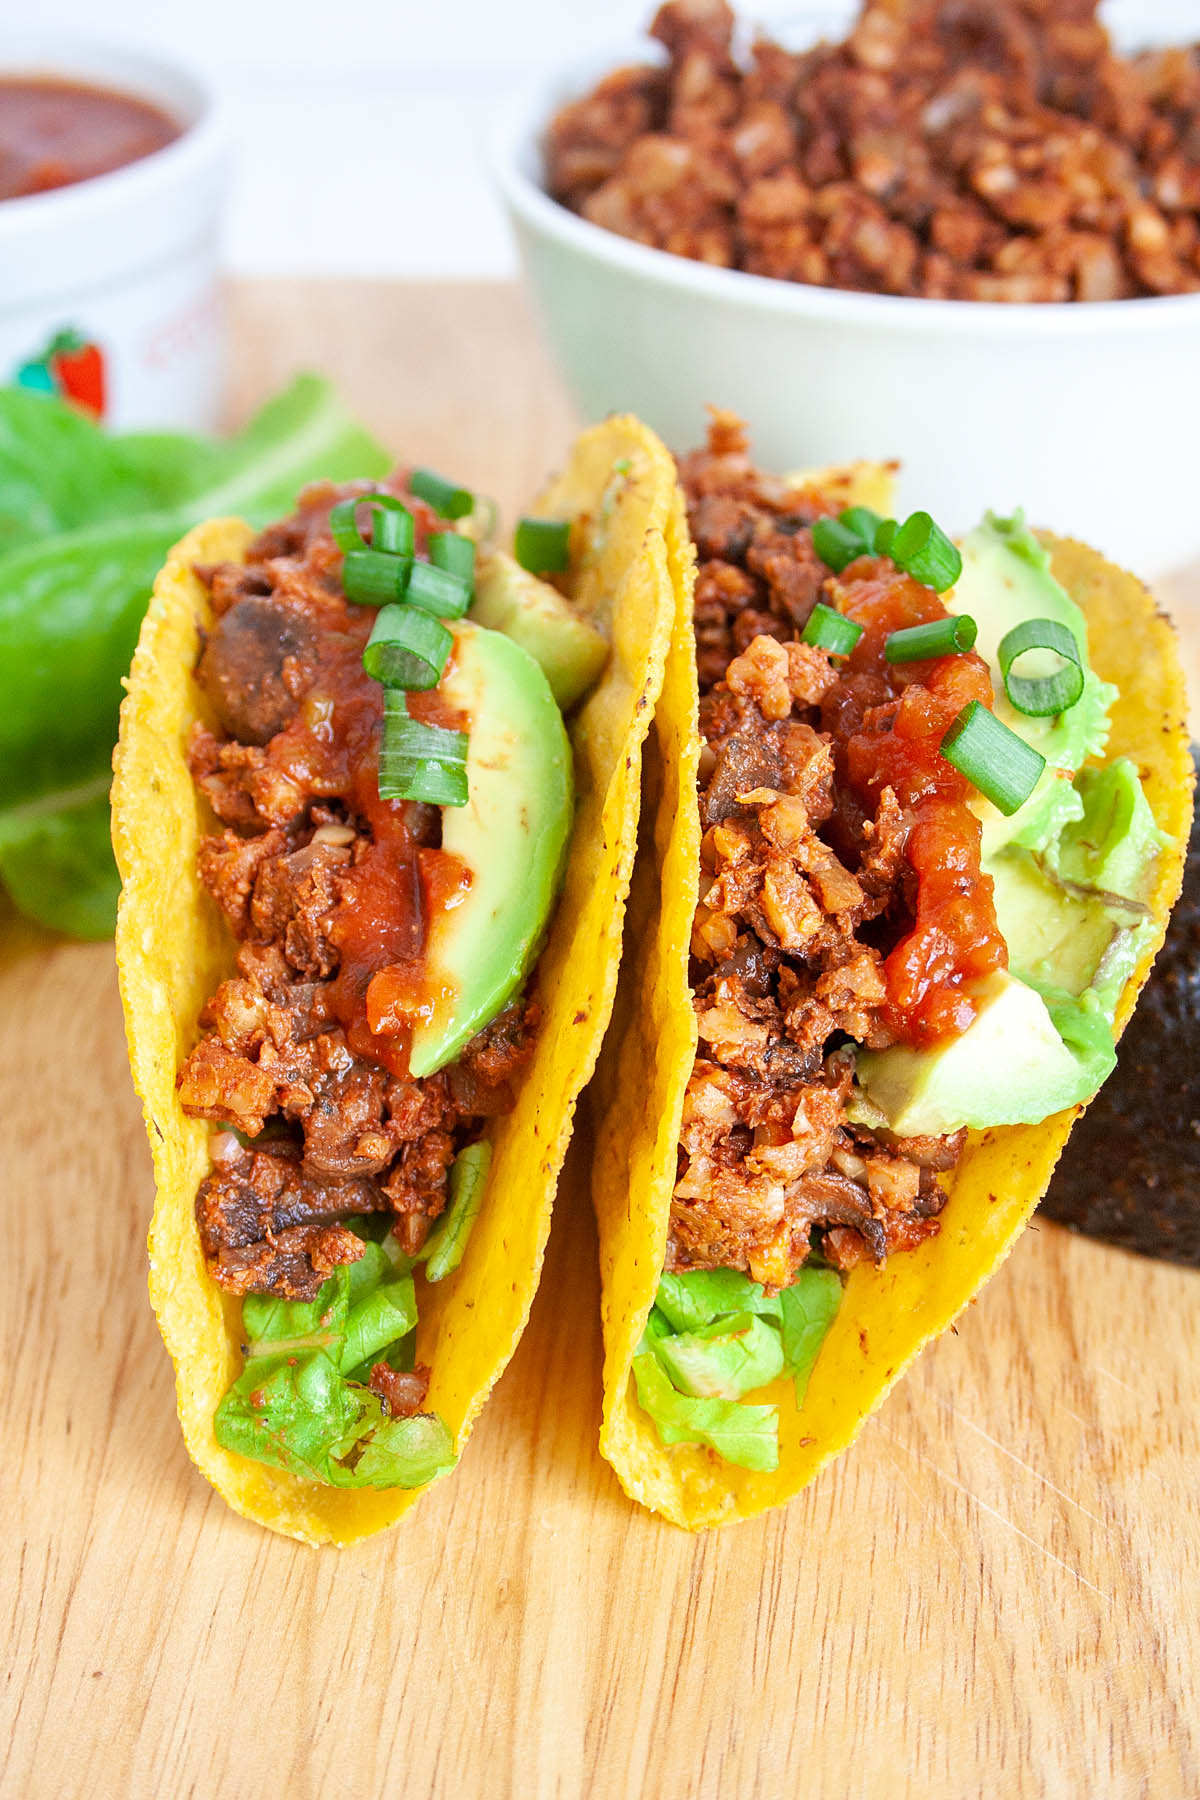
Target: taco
[914, 824]
[373, 891]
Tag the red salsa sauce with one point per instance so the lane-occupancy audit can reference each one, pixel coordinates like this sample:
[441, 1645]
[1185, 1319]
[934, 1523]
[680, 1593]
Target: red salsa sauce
[400, 878]
[887, 722]
[54, 133]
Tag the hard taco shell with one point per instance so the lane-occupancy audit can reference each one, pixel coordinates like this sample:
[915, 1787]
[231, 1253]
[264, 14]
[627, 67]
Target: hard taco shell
[887, 1315]
[173, 949]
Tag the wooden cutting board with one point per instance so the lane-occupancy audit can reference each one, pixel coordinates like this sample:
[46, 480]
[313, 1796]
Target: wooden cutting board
[996, 1593]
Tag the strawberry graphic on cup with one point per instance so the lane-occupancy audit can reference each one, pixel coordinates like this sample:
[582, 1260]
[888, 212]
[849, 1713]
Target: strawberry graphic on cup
[71, 366]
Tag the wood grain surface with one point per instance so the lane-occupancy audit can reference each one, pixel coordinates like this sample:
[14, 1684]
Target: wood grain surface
[997, 1592]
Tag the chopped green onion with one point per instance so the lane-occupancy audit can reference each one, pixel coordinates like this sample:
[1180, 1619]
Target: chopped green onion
[862, 520]
[392, 527]
[542, 545]
[438, 591]
[922, 549]
[451, 551]
[407, 648]
[371, 576]
[937, 637]
[885, 533]
[1041, 695]
[447, 499]
[391, 524]
[446, 1242]
[1001, 765]
[828, 630]
[836, 544]
[419, 761]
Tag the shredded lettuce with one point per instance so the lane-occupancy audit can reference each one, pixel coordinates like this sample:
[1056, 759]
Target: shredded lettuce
[724, 1360]
[300, 1403]
[695, 1299]
[714, 1336]
[809, 1308]
[746, 1435]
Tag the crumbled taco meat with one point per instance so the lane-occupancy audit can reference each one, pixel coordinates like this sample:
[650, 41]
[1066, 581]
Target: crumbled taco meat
[328, 890]
[958, 149]
[842, 899]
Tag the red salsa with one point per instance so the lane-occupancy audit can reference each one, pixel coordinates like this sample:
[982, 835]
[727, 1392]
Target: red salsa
[888, 721]
[54, 133]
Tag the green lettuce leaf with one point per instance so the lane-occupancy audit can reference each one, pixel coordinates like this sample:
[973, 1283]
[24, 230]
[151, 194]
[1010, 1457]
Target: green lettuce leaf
[809, 1309]
[698, 1296]
[724, 1360]
[300, 1403]
[745, 1435]
[86, 520]
[444, 1247]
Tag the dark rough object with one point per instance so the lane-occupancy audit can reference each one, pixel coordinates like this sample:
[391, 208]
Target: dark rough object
[1131, 1172]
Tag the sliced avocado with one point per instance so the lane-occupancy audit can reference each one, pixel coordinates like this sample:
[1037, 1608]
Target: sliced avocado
[1010, 1067]
[1005, 579]
[1052, 936]
[533, 614]
[512, 835]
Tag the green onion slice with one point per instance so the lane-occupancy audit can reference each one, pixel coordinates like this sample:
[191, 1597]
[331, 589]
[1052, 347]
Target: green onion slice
[828, 630]
[994, 759]
[391, 524]
[419, 761]
[862, 520]
[407, 648]
[885, 533]
[446, 497]
[450, 551]
[438, 591]
[837, 544]
[392, 527]
[922, 549]
[1041, 695]
[543, 545]
[372, 576]
[937, 637]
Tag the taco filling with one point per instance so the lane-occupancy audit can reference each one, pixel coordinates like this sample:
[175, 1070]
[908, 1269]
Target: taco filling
[393, 787]
[917, 910]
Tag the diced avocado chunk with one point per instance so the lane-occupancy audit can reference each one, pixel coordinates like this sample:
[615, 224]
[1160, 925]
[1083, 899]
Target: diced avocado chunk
[528, 610]
[512, 836]
[1009, 1067]
[1006, 579]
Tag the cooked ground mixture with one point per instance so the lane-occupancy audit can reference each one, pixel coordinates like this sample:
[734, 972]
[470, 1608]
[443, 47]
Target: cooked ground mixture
[842, 899]
[328, 890]
[957, 149]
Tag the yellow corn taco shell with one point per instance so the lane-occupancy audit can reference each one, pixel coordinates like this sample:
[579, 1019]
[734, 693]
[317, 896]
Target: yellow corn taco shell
[887, 1315]
[173, 949]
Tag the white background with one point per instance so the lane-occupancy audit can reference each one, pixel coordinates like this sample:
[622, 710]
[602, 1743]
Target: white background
[362, 128]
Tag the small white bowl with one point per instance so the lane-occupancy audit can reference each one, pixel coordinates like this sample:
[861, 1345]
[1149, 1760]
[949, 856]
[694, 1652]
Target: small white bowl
[1083, 413]
[128, 260]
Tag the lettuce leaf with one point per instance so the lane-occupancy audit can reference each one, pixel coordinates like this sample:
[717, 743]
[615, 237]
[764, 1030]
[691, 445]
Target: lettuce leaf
[809, 1309]
[699, 1296]
[86, 520]
[713, 1336]
[745, 1435]
[301, 1403]
[724, 1360]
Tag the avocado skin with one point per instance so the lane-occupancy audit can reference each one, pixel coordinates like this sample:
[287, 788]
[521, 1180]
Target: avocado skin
[1131, 1172]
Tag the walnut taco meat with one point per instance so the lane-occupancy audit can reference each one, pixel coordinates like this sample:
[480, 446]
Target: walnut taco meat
[917, 818]
[375, 812]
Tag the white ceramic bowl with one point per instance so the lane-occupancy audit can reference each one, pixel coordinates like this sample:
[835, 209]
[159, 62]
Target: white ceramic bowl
[1085, 414]
[129, 260]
